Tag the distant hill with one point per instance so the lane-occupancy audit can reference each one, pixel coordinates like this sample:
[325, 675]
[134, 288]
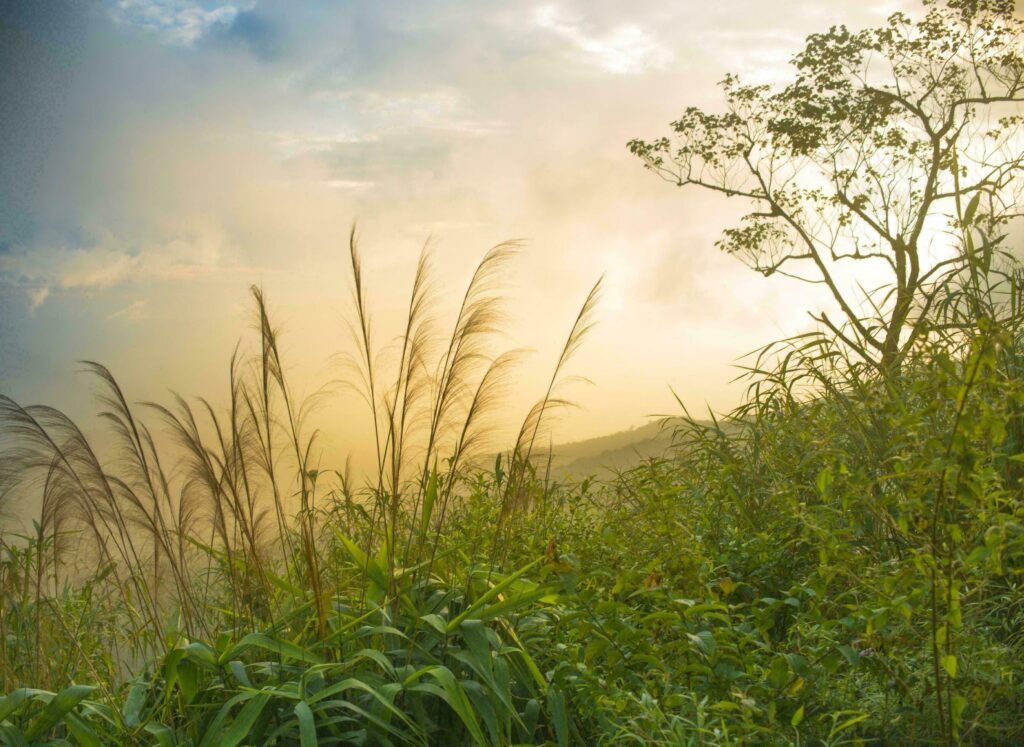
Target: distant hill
[617, 451]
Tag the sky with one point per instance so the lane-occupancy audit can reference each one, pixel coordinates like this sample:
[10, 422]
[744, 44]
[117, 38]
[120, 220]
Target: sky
[157, 157]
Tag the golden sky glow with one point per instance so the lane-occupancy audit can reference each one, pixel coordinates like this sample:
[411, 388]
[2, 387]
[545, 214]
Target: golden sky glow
[162, 155]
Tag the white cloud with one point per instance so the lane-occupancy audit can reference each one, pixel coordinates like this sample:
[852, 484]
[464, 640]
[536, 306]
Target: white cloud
[175, 21]
[625, 50]
[110, 261]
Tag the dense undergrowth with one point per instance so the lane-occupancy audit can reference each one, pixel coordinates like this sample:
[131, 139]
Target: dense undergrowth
[838, 561]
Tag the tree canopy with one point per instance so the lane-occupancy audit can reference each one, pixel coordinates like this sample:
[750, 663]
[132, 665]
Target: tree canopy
[897, 147]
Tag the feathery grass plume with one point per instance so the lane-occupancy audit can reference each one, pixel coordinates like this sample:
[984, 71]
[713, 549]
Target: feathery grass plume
[40, 442]
[300, 445]
[145, 488]
[406, 394]
[520, 464]
[454, 397]
[209, 481]
[261, 408]
[486, 395]
[366, 369]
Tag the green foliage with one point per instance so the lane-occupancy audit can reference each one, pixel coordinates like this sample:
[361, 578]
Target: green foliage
[838, 561]
[883, 140]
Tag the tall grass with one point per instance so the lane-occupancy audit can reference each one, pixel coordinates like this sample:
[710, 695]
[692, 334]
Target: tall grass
[837, 561]
[228, 525]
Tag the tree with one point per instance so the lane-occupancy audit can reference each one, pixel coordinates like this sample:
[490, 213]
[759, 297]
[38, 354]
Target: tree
[892, 148]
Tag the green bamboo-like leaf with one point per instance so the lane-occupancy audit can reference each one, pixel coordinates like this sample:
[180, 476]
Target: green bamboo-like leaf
[242, 725]
[383, 696]
[949, 664]
[11, 703]
[559, 716]
[454, 695]
[163, 734]
[972, 208]
[12, 736]
[798, 716]
[284, 649]
[83, 733]
[213, 729]
[491, 594]
[428, 502]
[133, 703]
[373, 569]
[307, 726]
[59, 705]
[514, 602]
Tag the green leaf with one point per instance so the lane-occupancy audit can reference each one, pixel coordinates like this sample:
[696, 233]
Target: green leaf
[705, 641]
[84, 734]
[60, 704]
[163, 734]
[949, 664]
[274, 645]
[213, 735]
[455, 696]
[856, 719]
[514, 602]
[778, 672]
[429, 499]
[242, 726]
[11, 703]
[134, 702]
[12, 736]
[972, 208]
[797, 717]
[849, 654]
[958, 704]
[559, 715]
[373, 569]
[490, 594]
[307, 727]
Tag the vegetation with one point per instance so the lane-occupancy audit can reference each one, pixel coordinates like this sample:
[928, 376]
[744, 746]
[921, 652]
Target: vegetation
[881, 135]
[838, 561]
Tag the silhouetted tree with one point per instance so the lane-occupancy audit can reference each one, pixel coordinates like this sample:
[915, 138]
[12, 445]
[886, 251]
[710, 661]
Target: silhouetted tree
[890, 147]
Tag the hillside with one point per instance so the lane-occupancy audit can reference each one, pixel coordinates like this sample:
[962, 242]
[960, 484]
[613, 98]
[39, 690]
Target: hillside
[615, 452]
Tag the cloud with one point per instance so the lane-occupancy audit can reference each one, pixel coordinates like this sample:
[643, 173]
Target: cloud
[134, 311]
[174, 21]
[626, 49]
[111, 261]
[36, 297]
[161, 146]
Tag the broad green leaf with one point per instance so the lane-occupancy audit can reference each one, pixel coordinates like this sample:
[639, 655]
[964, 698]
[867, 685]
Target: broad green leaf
[59, 705]
[455, 696]
[83, 733]
[11, 703]
[134, 702]
[163, 734]
[307, 726]
[242, 725]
